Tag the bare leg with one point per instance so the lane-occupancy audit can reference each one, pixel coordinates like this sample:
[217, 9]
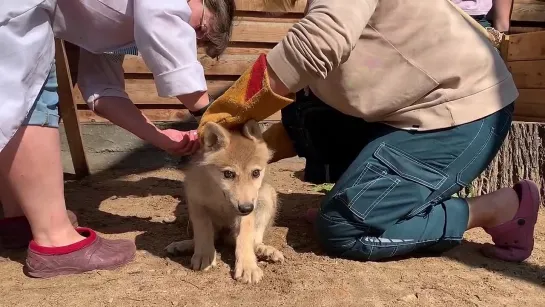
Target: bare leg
[31, 168]
[492, 209]
[510, 220]
[7, 200]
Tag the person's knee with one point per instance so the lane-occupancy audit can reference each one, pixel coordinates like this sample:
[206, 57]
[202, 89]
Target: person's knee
[335, 234]
[341, 239]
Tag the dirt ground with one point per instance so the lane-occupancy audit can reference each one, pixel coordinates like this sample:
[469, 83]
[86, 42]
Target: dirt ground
[141, 205]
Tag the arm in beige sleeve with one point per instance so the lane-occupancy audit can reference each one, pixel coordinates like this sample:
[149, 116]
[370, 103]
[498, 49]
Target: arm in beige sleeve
[320, 42]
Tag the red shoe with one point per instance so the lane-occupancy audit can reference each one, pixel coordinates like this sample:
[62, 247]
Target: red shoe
[514, 240]
[92, 253]
[15, 232]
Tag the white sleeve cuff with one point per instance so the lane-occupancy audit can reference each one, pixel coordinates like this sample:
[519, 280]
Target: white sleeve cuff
[186, 80]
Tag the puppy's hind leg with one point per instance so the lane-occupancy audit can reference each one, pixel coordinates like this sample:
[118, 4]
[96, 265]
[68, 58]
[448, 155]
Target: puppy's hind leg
[180, 247]
[265, 215]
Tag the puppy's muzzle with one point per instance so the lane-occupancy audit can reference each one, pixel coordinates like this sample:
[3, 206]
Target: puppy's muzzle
[245, 209]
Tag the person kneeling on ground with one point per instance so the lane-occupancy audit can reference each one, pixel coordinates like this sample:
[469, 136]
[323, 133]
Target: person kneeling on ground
[31, 175]
[409, 102]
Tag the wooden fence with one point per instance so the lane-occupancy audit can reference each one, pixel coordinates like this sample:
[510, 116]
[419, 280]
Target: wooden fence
[526, 61]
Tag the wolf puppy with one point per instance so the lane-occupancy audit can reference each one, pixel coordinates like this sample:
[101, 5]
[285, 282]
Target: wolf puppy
[225, 191]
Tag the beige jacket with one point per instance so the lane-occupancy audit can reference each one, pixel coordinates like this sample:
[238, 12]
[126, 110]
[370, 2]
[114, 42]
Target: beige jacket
[411, 64]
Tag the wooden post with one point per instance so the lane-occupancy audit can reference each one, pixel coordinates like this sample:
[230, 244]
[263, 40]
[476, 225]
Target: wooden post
[504, 48]
[68, 111]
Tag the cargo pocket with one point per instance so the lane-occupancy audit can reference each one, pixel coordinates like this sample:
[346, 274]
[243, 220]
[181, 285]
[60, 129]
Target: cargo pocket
[389, 174]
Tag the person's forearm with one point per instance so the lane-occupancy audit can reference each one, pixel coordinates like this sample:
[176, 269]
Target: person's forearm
[194, 101]
[501, 12]
[277, 86]
[123, 113]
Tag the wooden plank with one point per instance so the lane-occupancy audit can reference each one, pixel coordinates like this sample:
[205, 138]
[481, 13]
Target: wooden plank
[260, 6]
[232, 62]
[157, 115]
[527, 46]
[260, 30]
[143, 91]
[528, 10]
[504, 48]
[528, 74]
[517, 29]
[226, 65]
[68, 113]
[530, 105]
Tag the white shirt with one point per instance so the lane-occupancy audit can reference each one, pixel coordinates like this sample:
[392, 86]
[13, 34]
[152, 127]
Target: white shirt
[160, 30]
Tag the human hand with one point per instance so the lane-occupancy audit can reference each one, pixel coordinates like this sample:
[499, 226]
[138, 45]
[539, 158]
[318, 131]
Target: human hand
[180, 143]
[496, 37]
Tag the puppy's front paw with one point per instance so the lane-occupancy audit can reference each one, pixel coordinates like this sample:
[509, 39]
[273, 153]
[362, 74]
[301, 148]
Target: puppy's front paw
[180, 247]
[203, 261]
[269, 253]
[248, 272]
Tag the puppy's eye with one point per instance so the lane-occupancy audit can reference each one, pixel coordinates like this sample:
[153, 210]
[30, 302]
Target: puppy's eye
[229, 174]
[256, 173]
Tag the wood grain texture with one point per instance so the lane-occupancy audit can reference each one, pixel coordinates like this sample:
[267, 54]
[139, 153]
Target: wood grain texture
[260, 6]
[528, 74]
[233, 63]
[530, 105]
[528, 10]
[143, 91]
[261, 30]
[526, 29]
[520, 157]
[157, 115]
[527, 46]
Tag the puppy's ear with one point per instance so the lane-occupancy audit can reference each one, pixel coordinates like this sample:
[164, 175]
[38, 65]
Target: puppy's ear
[252, 130]
[214, 137]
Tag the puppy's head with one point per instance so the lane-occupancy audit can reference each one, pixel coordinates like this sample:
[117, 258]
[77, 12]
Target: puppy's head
[236, 161]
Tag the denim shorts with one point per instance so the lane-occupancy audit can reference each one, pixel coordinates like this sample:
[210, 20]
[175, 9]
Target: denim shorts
[45, 111]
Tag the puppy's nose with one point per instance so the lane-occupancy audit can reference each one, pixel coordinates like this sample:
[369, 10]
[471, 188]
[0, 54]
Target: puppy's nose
[246, 208]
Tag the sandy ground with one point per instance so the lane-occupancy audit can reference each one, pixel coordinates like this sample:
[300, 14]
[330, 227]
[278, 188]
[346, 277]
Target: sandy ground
[140, 206]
